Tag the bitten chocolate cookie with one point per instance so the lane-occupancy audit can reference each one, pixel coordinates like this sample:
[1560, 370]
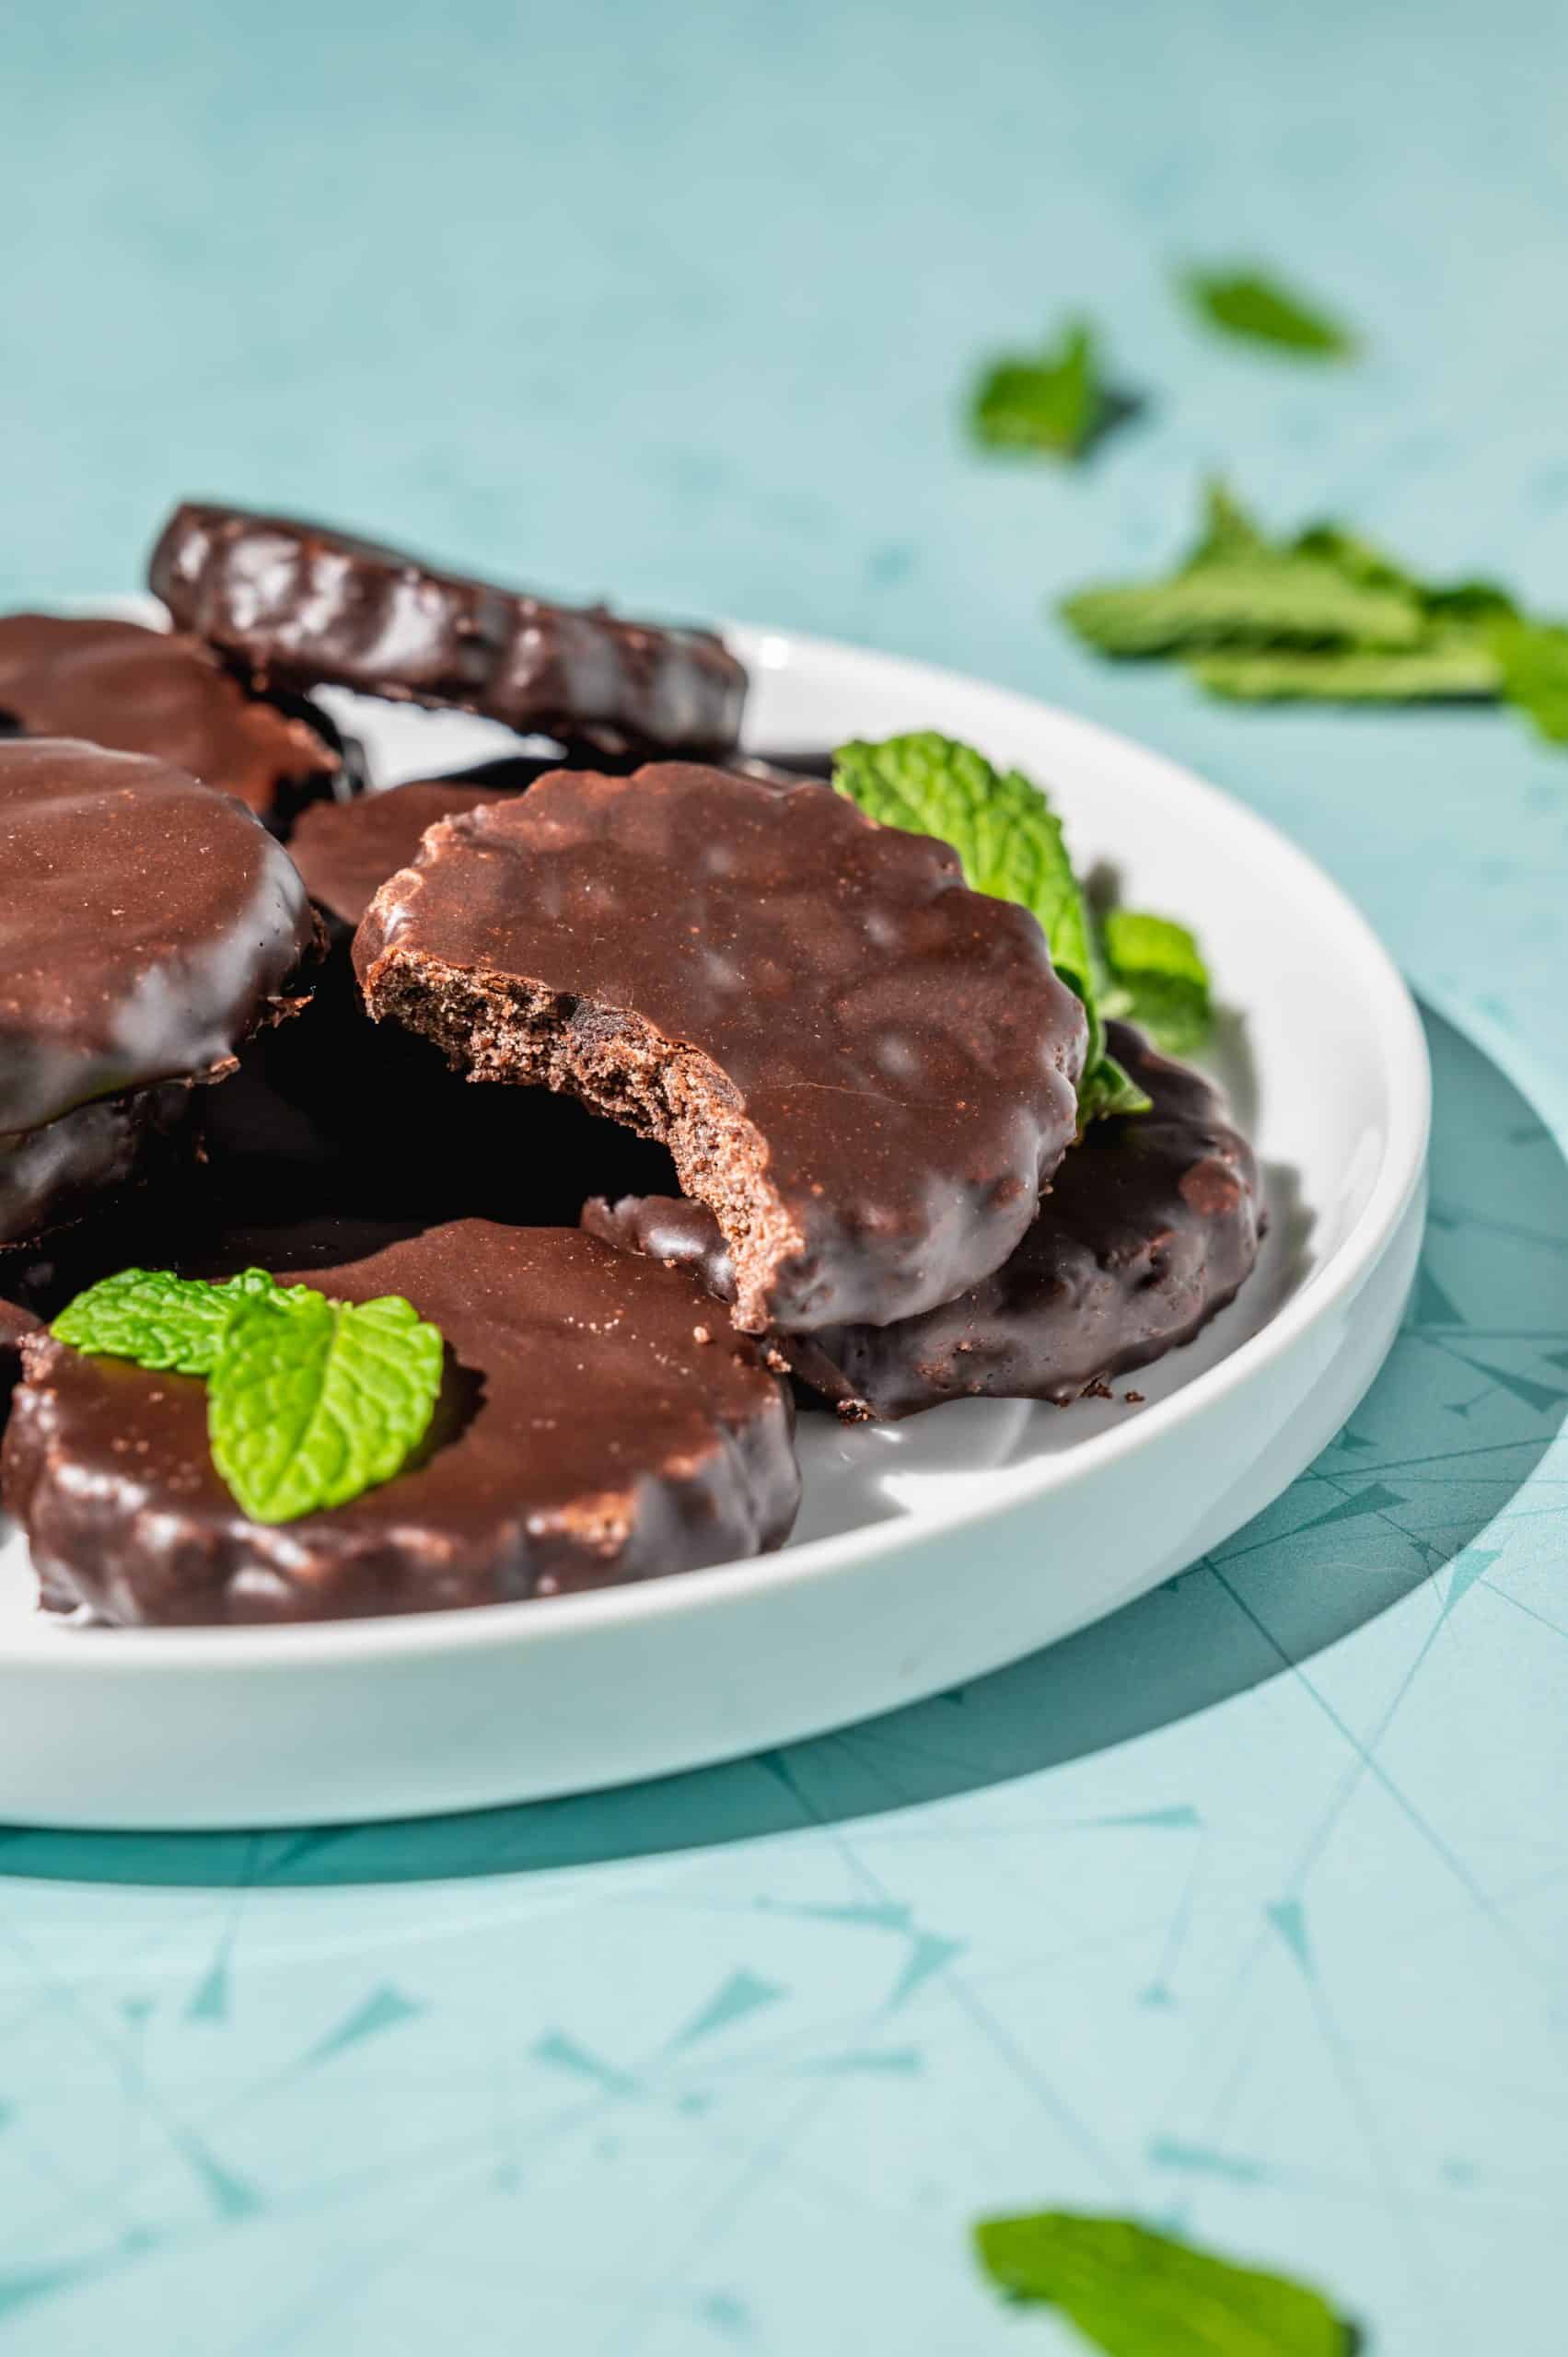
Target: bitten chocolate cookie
[865, 1069]
[147, 926]
[1150, 1229]
[297, 604]
[585, 1436]
[139, 691]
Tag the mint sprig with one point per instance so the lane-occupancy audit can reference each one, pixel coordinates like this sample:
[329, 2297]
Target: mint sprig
[1159, 976]
[1009, 842]
[310, 1402]
[1256, 307]
[1238, 590]
[1055, 401]
[1324, 616]
[1131, 2292]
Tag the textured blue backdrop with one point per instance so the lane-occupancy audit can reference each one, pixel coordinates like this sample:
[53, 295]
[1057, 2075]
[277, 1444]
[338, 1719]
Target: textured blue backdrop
[1248, 1910]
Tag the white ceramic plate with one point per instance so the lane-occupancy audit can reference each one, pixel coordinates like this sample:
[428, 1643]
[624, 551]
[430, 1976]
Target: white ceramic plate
[926, 1553]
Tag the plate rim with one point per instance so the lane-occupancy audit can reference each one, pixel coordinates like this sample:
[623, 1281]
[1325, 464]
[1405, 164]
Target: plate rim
[1393, 1021]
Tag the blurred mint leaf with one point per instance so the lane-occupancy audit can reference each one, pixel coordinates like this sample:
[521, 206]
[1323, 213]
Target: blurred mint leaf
[1270, 597]
[312, 1401]
[1054, 401]
[1229, 532]
[1327, 617]
[157, 1319]
[1010, 844]
[1258, 308]
[1132, 2293]
[1533, 657]
[1453, 666]
[1158, 966]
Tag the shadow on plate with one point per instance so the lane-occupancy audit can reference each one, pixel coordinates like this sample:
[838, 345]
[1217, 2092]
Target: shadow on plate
[1473, 1393]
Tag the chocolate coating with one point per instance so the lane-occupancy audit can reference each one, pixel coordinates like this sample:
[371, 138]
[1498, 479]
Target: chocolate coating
[584, 1438]
[1151, 1226]
[864, 1068]
[346, 850]
[298, 603]
[147, 925]
[665, 1227]
[139, 691]
[58, 1173]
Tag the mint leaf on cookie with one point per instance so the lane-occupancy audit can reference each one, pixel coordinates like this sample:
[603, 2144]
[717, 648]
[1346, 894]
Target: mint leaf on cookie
[157, 1319]
[312, 1401]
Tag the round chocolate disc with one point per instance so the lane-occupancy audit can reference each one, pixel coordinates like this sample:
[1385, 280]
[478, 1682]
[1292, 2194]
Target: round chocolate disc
[865, 1069]
[299, 603]
[598, 1423]
[148, 924]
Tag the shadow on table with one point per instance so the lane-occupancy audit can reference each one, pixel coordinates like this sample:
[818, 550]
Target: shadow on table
[1475, 1389]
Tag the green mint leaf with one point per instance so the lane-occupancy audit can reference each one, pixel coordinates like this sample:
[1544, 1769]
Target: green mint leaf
[1481, 602]
[1461, 603]
[1359, 561]
[1260, 309]
[313, 1402]
[1132, 2293]
[1054, 401]
[1533, 657]
[1157, 963]
[158, 1320]
[1455, 667]
[1326, 617]
[1228, 531]
[1273, 598]
[1108, 1092]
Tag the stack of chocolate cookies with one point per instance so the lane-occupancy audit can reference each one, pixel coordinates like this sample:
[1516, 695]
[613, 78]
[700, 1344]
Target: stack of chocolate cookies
[671, 1087]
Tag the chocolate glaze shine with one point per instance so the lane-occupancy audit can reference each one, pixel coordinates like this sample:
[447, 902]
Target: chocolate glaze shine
[865, 1068]
[1151, 1227]
[298, 603]
[584, 1438]
[140, 690]
[148, 924]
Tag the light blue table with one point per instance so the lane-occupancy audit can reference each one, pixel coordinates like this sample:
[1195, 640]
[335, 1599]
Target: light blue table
[1246, 1910]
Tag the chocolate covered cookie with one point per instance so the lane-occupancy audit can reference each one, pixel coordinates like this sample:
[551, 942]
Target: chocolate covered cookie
[585, 1436]
[297, 604]
[139, 691]
[865, 1070]
[1150, 1229]
[148, 927]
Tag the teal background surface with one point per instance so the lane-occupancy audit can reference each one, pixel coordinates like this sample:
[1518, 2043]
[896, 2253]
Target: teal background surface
[1247, 1910]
